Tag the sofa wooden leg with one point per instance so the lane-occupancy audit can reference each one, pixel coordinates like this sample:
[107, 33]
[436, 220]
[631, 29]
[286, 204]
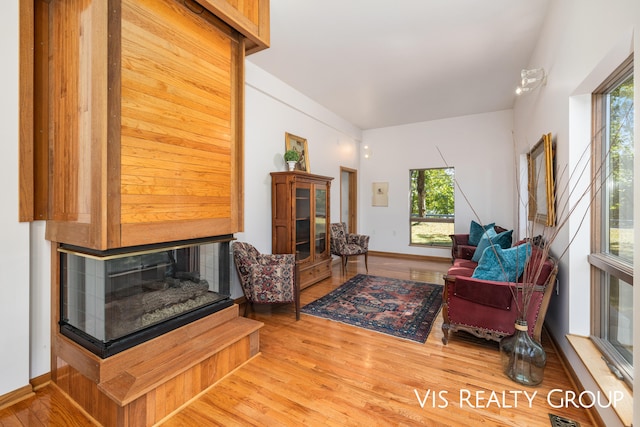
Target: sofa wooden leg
[445, 333]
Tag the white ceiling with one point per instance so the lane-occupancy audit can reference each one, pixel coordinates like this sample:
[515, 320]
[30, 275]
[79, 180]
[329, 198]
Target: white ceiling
[379, 63]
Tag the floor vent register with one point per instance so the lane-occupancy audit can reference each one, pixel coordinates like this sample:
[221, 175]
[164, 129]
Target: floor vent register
[558, 421]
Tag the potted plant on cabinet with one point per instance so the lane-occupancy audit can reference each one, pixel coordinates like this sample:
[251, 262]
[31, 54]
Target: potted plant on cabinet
[291, 157]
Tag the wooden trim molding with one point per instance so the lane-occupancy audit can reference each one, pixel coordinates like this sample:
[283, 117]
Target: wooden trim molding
[410, 256]
[16, 396]
[25, 392]
[573, 377]
[33, 115]
[253, 21]
[41, 381]
[352, 208]
[591, 357]
[25, 115]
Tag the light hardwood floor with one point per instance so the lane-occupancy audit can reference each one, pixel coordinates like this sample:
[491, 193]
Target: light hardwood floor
[316, 372]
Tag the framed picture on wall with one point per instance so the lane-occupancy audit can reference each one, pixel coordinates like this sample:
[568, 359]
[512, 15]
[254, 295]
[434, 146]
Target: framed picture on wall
[380, 194]
[541, 182]
[293, 142]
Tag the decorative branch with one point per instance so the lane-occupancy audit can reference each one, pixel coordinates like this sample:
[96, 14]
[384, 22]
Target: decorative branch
[533, 266]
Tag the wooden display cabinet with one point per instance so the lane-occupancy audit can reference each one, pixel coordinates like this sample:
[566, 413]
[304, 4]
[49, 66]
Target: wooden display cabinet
[301, 217]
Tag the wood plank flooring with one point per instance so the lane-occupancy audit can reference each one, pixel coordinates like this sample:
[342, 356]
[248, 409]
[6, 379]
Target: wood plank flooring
[316, 372]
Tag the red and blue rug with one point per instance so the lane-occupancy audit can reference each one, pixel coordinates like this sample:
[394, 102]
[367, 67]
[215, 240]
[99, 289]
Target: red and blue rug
[401, 308]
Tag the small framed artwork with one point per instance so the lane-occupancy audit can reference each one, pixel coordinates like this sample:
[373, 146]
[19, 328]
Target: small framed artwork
[293, 142]
[380, 194]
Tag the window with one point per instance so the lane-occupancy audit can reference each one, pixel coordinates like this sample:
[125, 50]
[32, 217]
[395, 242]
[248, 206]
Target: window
[432, 206]
[612, 234]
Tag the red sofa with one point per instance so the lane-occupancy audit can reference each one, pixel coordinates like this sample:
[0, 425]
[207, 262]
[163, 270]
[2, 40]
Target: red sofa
[486, 308]
[461, 248]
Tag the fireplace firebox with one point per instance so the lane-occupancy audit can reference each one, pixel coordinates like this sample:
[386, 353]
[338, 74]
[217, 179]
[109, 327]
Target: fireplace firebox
[113, 300]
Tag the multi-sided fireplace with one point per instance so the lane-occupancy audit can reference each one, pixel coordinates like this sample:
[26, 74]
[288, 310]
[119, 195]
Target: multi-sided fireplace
[113, 300]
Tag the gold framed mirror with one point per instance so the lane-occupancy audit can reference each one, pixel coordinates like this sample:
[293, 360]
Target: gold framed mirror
[541, 182]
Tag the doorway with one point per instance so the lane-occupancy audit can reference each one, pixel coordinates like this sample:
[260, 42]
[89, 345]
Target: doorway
[349, 198]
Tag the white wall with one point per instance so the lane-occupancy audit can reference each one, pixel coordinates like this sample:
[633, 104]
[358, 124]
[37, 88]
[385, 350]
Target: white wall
[581, 43]
[479, 147]
[271, 109]
[14, 236]
[40, 301]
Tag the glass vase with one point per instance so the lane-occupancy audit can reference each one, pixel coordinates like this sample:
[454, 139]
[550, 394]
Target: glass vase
[523, 359]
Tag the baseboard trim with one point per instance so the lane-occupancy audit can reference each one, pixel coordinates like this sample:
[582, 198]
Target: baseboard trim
[16, 396]
[41, 381]
[573, 378]
[25, 392]
[410, 256]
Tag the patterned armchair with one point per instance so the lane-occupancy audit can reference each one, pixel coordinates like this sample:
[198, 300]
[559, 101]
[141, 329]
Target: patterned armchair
[346, 244]
[266, 278]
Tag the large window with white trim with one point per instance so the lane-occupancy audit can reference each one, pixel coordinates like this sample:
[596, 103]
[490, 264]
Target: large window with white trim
[612, 234]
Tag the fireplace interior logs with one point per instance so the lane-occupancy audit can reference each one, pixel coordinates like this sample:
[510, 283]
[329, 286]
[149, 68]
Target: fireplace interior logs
[114, 300]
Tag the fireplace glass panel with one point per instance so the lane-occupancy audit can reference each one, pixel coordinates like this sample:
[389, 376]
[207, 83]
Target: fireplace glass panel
[110, 299]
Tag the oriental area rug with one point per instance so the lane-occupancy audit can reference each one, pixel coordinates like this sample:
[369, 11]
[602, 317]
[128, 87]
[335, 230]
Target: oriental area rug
[402, 308]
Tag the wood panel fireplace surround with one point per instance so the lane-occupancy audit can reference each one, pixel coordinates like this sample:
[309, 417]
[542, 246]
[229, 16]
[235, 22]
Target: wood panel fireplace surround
[137, 166]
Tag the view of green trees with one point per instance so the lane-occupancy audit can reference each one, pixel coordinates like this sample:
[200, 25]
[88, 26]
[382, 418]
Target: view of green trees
[617, 188]
[620, 170]
[432, 206]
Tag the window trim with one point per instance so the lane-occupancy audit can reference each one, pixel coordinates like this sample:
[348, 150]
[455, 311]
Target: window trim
[602, 262]
[612, 266]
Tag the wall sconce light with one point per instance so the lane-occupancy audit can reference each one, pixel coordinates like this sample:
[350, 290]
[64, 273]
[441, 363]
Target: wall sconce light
[531, 79]
[366, 151]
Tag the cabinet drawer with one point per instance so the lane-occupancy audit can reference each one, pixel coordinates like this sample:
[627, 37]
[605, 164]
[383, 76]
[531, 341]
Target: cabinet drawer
[315, 273]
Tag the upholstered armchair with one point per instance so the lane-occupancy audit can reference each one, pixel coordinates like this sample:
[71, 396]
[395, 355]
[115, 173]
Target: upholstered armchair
[346, 244]
[266, 278]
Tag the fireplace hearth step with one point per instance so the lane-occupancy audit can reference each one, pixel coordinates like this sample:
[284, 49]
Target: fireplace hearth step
[145, 384]
[148, 374]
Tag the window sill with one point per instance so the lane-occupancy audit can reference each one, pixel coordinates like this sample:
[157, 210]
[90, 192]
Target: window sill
[608, 383]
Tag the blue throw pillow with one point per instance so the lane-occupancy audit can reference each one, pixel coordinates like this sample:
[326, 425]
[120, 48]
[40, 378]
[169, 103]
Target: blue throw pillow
[476, 231]
[502, 265]
[488, 238]
[503, 239]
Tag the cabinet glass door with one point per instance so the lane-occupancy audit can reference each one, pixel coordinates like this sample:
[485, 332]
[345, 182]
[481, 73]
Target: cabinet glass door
[321, 241]
[303, 223]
